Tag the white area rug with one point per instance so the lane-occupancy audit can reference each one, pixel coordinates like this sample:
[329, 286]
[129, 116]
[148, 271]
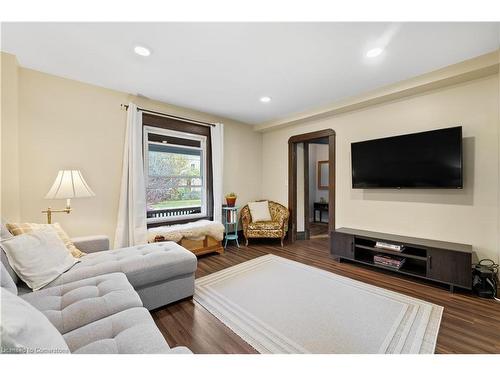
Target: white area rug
[281, 306]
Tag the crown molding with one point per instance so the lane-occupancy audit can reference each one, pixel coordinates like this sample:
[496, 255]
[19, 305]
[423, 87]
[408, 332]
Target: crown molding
[467, 70]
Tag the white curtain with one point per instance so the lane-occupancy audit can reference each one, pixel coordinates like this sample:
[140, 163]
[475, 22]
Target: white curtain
[217, 138]
[131, 226]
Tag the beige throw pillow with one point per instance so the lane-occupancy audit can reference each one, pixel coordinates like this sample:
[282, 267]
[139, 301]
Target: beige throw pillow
[21, 228]
[39, 257]
[259, 211]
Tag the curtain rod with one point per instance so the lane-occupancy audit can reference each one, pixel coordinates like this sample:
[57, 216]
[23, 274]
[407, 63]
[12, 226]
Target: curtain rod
[170, 116]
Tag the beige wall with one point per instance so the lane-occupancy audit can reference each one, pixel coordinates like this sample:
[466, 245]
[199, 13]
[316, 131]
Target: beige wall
[468, 216]
[69, 124]
[9, 172]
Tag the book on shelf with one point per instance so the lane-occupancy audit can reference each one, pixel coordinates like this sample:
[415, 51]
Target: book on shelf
[231, 216]
[389, 246]
[386, 260]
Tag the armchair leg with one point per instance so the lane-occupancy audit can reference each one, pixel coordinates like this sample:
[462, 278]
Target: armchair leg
[281, 241]
[246, 242]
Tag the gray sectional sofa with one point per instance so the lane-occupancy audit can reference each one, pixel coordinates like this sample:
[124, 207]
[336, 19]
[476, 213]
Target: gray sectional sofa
[101, 304]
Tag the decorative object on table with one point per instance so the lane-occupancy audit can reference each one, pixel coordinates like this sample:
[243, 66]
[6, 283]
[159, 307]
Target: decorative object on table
[275, 228]
[68, 184]
[322, 200]
[323, 175]
[231, 224]
[231, 199]
[200, 237]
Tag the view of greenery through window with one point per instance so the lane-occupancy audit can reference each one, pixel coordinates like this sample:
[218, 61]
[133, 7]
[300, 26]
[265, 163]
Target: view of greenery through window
[174, 180]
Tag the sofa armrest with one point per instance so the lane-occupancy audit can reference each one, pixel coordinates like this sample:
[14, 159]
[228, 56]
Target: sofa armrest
[180, 350]
[246, 219]
[92, 244]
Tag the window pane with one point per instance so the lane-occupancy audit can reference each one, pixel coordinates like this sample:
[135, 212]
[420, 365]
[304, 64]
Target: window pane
[175, 177]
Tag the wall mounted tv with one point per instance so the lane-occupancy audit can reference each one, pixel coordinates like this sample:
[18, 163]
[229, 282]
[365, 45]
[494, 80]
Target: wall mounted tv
[431, 159]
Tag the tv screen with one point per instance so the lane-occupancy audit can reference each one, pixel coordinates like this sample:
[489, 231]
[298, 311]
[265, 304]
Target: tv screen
[431, 159]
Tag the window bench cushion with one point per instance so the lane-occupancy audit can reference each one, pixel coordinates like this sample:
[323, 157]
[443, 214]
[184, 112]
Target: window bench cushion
[196, 230]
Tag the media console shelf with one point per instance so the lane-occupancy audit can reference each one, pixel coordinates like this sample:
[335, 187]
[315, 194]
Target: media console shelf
[446, 262]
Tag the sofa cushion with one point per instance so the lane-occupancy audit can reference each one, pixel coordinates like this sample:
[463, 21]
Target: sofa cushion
[129, 331]
[143, 265]
[6, 280]
[21, 228]
[264, 225]
[24, 329]
[73, 305]
[38, 257]
[180, 350]
[258, 233]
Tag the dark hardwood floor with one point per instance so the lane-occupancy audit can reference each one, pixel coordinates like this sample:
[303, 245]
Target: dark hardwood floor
[318, 230]
[469, 324]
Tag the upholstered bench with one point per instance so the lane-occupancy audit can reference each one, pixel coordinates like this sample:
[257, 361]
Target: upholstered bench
[200, 237]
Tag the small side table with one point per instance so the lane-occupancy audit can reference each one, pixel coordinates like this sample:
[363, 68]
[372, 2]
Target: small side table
[231, 224]
[321, 207]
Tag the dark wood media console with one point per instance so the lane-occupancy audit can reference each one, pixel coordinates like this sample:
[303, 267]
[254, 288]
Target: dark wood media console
[446, 262]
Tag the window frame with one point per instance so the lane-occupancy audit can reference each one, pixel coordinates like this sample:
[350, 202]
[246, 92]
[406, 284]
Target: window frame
[186, 129]
[203, 147]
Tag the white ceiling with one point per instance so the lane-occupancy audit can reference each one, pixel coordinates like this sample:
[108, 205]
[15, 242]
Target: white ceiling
[224, 68]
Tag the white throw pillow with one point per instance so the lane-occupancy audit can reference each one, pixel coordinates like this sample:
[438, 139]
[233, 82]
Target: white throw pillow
[38, 257]
[259, 211]
[24, 329]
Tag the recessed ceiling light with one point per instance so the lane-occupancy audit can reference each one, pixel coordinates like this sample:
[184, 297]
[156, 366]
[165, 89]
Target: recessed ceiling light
[142, 51]
[265, 99]
[374, 52]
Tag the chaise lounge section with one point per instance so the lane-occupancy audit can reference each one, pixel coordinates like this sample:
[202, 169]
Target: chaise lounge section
[161, 273]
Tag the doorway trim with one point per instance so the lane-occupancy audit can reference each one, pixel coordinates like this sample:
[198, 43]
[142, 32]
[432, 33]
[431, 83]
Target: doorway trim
[292, 178]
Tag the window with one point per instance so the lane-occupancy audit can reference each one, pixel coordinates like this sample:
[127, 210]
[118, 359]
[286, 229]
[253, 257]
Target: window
[176, 175]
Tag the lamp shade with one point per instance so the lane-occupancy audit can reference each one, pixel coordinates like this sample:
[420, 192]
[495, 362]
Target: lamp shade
[69, 184]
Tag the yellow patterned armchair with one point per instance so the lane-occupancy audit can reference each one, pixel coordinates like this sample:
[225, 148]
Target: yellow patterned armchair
[276, 228]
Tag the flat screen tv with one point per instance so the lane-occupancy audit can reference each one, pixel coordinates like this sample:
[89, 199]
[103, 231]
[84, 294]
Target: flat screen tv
[431, 159]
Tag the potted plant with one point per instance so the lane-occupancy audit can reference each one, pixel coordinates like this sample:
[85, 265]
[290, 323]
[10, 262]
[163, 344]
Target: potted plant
[231, 199]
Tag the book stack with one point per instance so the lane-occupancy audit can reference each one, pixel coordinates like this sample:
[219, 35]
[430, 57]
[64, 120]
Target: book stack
[389, 261]
[232, 216]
